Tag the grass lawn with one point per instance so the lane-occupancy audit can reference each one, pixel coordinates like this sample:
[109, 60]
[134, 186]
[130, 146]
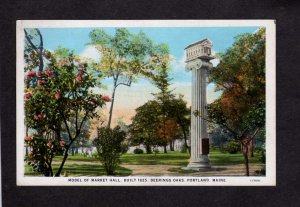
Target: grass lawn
[216, 157]
[80, 170]
[171, 158]
[176, 158]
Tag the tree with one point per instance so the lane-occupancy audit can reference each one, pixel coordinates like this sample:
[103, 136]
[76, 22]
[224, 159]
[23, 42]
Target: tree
[34, 54]
[240, 75]
[109, 147]
[162, 81]
[177, 109]
[219, 135]
[83, 138]
[125, 57]
[145, 126]
[152, 126]
[58, 97]
[34, 48]
[169, 131]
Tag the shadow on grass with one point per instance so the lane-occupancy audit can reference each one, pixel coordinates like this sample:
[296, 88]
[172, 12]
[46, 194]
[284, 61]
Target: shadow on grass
[171, 158]
[188, 171]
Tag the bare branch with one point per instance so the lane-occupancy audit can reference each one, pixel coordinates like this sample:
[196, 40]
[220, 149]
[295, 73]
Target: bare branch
[125, 84]
[29, 40]
[41, 39]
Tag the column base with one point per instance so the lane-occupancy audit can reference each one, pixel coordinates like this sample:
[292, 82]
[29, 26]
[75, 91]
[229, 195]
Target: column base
[198, 163]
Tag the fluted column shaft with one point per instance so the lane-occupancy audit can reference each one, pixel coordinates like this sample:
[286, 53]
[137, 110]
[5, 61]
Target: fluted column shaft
[199, 138]
[199, 110]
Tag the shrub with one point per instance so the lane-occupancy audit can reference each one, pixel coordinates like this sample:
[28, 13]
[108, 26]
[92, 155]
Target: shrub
[124, 147]
[232, 147]
[183, 149]
[138, 151]
[262, 154]
[109, 147]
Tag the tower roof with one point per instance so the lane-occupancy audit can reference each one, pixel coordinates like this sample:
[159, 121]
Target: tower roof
[196, 43]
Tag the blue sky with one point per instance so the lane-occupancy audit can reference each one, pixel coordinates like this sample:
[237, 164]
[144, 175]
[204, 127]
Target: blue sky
[176, 37]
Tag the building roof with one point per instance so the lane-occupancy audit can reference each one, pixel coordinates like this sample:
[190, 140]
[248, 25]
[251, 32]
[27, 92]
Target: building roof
[196, 43]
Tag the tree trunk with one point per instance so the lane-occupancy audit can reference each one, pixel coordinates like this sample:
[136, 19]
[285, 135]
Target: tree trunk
[111, 106]
[41, 66]
[58, 134]
[173, 143]
[246, 159]
[170, 144]
[252, 147]
[185, 139]
[63, 162]
[165, 148]
[51, 171]
[148, 149]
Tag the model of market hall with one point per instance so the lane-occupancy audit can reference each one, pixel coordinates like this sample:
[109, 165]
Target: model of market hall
[198, 56]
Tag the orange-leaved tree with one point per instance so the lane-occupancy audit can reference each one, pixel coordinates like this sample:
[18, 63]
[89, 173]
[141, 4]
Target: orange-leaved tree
[240, 76]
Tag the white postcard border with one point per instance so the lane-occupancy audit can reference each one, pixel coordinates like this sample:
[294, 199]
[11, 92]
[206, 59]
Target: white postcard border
[268, 180]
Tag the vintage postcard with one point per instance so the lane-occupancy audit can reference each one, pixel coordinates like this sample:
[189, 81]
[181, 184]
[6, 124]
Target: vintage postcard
[146, 103]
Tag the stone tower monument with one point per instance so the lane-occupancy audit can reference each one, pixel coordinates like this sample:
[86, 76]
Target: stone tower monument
[198, 55]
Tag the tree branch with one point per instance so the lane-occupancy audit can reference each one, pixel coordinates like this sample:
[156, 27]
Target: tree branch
[67, 127]
[254, 134]
[41, 39]
[125, 84]
[83, 120]
[30, 42]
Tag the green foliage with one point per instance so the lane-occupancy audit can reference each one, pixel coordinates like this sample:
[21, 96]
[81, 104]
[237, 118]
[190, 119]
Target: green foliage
[261, 154]
[240, 75]
[124, 147]
[138, 151]
[126, 57]
[43, 149]
[183, 149]
[109, 147]
[154, 125]
[232, 147]
[219, 135]
[145, 125]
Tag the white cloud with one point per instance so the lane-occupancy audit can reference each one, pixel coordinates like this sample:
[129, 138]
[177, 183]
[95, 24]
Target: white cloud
[215, 61]
[178, 65]
[91, 52]
[255, 31]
